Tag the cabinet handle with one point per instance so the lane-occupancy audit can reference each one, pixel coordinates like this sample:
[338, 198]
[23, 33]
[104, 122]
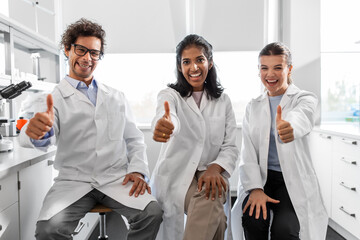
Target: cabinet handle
[0, 227]
[325, 136]
[78, 228]
[50, 162]
[348, 161]
[347, 187]
[351, 142]
[350, 214]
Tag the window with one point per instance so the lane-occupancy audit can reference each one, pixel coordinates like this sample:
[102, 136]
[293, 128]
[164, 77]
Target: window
[142, 76]
[340, 58]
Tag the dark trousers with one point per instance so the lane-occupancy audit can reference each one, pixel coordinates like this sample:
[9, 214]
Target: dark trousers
[144, 224]
[285, 224]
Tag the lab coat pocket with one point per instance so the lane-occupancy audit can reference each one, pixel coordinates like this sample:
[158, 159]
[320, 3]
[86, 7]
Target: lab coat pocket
[217, 130]
[116, 125]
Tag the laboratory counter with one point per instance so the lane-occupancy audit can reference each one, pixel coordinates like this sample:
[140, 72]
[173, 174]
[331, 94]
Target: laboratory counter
[20, 157]
[340, 130]
[26, 175]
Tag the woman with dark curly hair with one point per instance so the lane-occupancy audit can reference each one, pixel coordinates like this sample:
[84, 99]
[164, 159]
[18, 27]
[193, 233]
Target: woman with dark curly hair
[196, 122]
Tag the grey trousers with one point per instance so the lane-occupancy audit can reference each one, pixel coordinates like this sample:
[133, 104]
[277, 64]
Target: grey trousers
[144, 224]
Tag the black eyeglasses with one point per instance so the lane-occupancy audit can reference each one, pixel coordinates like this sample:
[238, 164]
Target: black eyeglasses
[81, 51]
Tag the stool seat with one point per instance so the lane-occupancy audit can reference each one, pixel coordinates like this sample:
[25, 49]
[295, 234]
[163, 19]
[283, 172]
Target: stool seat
[101, 209]
[98, 208]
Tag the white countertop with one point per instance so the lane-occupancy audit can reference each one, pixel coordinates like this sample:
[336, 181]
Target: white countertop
[20, 157]
[340, 129]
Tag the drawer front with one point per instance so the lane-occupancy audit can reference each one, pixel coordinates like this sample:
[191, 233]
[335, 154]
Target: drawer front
[346, 204]
[8, 191]
[9, 223]
[347, 167]
[347, 146]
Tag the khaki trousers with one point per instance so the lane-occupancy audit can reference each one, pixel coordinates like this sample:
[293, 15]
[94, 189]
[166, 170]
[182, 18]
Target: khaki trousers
[206, 219]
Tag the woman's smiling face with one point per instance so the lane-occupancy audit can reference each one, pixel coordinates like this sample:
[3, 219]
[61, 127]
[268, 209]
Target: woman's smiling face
[274, 73]
[195, 67]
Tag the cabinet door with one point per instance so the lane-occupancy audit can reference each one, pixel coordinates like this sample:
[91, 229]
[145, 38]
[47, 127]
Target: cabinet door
[23, 12]
[9, 223]
[35, 181]
[321, 152]
[8, 191]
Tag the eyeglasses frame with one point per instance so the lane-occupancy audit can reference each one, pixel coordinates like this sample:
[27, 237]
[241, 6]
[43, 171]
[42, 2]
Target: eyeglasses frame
[88, 50]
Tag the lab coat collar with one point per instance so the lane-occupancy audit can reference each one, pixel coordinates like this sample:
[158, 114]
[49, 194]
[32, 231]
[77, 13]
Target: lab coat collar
[291, 90]
[204, 101]
[192, 104]
[103, 88]
[66, 90]
[102, 92]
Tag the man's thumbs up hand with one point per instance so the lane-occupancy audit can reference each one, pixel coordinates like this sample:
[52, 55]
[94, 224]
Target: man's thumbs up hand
[164, 127]
[284, 129]
[42, 122]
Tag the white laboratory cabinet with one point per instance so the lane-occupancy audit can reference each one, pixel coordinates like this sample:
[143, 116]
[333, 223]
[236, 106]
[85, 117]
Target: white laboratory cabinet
[336, 160]
[34, 182]
[346, 184]
[320, 147]
[9, 215]
[38, 15]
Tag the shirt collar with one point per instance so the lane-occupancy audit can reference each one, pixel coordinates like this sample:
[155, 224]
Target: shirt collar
[79, 84]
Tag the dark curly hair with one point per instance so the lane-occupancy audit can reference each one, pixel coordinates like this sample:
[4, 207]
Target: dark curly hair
[212, 86]
[83, 28]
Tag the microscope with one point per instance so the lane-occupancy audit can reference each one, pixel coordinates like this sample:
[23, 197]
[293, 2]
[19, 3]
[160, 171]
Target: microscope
[10, 92]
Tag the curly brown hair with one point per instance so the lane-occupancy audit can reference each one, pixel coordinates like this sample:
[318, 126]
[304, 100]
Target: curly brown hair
[84, 28]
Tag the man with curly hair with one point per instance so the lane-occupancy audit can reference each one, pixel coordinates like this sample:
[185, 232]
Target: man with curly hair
[101, 154]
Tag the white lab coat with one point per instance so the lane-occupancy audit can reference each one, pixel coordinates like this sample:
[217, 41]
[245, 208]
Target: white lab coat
[208, 131]
[96, 147]
[298, 108]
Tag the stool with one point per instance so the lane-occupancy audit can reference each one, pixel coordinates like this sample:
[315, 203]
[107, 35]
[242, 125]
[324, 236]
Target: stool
[101, 209]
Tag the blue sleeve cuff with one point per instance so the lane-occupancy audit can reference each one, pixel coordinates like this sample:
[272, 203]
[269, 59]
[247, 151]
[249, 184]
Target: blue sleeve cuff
[45, 141]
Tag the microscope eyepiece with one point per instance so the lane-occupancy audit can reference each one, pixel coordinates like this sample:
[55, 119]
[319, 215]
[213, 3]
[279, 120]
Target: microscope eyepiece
[14, 90]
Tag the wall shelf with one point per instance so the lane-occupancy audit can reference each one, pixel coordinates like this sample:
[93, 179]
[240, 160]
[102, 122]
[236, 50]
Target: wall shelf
[19, 43]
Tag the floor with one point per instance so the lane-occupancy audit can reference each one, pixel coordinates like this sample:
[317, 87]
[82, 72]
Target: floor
[120, 231]
[332, 235]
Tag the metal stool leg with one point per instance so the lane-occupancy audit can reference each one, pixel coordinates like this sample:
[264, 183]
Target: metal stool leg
[98, 208]
[102, 226]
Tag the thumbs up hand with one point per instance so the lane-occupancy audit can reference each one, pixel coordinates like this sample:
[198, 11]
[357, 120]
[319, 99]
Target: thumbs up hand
[284, 129]
[164, 127]
[42, 122]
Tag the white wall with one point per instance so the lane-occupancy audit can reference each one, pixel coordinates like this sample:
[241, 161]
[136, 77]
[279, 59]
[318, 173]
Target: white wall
[301, 24]
[142, 26]
[132, 26]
